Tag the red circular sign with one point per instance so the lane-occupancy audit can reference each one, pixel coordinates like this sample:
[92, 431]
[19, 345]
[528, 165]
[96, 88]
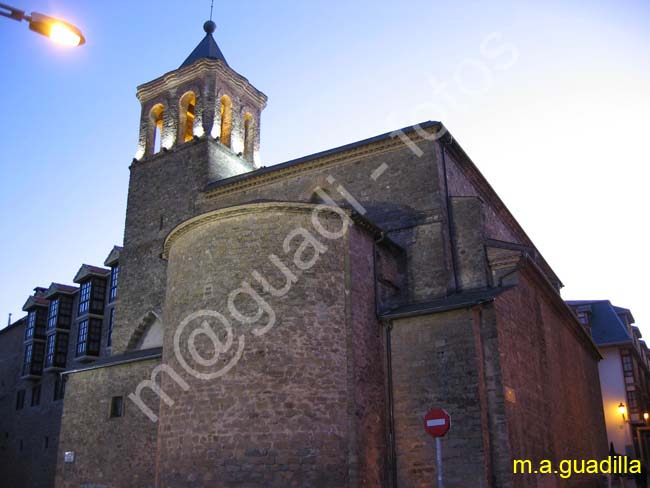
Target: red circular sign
[437, 422]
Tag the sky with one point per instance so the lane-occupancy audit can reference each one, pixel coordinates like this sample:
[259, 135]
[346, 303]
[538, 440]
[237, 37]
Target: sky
[551, 100]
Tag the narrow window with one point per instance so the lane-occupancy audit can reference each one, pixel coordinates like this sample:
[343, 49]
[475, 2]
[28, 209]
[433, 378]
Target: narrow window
[27, 361]
[111, 323]
[248, 137]
[117, 407]
[186, 117]
[84, 297]
[53, 314]
[82, 338]
[31, 324]
[46, 442]
[115, 272]
[59, 387]
[33, 360]
[226, 120]
[36, 395]
[156, 127]
[49, 351]
[98, 296]
[20, 399]
[89, 337]
[56, 352]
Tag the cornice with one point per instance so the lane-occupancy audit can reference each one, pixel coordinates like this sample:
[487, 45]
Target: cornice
[150, 90]
[231, 212]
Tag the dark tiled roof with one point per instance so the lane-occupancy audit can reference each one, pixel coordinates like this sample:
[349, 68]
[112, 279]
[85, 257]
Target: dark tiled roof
[606, 325]
[207, 48]
[87, 270]
[60, 289]
[114, 256]
[34, 301]
[452, 302]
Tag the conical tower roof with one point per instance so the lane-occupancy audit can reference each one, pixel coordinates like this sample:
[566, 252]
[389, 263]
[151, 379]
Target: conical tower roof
[207, 48]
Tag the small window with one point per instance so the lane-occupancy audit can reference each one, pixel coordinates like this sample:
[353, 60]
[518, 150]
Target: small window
[20, 399]
[46, 442]
[117, 406]
[115, 272]
[36, 395]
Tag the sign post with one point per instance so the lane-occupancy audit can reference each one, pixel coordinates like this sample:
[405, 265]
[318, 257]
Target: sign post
[437, 423]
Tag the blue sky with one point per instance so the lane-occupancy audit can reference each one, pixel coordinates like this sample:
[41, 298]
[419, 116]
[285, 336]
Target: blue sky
[550, 99]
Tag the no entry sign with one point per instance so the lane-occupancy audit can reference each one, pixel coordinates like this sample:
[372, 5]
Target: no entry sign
[437, 422]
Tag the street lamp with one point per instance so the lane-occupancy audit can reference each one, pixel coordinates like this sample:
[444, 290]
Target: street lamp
[622, 410]
[58, 30]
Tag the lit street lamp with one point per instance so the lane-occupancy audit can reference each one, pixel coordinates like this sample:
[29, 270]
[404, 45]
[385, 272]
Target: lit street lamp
[58, 30]
[622, 410]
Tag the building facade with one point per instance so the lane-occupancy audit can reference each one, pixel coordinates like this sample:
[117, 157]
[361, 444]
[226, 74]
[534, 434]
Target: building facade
[624, 375]
[291, 325]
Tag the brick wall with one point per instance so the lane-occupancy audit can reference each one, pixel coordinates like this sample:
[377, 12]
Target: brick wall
[555, 409]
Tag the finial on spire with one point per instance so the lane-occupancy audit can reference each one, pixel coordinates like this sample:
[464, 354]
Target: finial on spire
[209, 27]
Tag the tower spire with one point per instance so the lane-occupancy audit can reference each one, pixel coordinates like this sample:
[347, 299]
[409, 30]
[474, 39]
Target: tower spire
[211, 8]
[207, 48]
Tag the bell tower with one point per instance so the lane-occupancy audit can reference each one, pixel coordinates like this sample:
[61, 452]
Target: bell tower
[204, 97]
[199, 124]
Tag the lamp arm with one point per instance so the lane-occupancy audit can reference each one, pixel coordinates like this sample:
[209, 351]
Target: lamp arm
[12, 12]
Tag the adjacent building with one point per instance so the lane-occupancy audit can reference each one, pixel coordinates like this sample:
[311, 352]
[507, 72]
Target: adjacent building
[290, 325]
[65, 327]
[624, 375]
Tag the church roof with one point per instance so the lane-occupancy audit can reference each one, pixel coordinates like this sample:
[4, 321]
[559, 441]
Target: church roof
[207, 48]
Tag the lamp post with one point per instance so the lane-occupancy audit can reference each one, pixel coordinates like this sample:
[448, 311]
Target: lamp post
[57, 30]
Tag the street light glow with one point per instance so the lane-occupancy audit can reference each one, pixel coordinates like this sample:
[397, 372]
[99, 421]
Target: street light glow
[62, 34]
[57, 30]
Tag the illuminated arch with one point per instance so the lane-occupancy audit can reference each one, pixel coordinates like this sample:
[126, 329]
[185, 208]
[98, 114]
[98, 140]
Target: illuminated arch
[155, 127]
[186, 116]
[226, 120]
[249, 139]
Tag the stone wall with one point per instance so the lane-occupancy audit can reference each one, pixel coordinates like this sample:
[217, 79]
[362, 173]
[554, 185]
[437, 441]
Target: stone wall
[436, 364]
[116, 452]
[302, 403]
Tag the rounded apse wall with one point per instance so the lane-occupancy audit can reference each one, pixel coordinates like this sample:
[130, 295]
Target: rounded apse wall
[255, 349]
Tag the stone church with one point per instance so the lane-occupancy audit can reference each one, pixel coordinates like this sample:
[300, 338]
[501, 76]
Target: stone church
[290, 325]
